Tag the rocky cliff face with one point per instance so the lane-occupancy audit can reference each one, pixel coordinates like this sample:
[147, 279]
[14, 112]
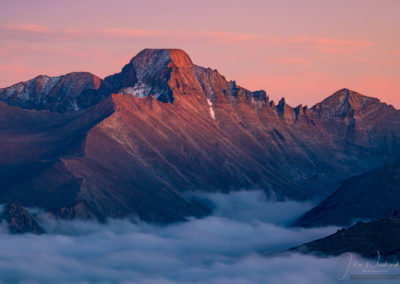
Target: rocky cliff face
[165, 126]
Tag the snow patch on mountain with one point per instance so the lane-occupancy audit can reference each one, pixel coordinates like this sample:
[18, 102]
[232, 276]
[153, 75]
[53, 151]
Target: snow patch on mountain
[211, 108]
[140, 90]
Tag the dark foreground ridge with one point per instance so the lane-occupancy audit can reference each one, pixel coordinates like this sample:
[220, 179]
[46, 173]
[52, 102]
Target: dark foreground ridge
[364, 238]
[370, 196]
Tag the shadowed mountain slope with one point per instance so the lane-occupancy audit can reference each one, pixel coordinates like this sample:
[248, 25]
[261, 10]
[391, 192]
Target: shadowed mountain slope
[366, 239]
[371, 196]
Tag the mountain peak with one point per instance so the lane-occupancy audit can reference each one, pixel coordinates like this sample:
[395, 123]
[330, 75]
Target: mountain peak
[62, 93]
[148, 74]
[346, 96]
[344, 101]
[160, 57]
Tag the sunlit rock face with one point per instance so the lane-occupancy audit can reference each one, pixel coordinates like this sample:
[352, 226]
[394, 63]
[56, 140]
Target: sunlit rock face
[140, 139]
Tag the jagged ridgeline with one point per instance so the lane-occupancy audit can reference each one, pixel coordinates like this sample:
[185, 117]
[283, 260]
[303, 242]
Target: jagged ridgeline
[135, 142]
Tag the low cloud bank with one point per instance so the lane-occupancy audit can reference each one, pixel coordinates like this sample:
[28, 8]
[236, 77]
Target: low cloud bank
[234, 245]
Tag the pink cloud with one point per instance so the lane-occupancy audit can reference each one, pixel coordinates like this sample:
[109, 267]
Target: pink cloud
[130, 33]
[28, 28]
[14, 73]
[324, 41]
[177, 34]
[18, 69]
[321, 44]
[293, 60]
[278, 64]
[229, 37]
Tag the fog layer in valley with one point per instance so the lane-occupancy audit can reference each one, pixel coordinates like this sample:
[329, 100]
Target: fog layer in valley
[236, 244]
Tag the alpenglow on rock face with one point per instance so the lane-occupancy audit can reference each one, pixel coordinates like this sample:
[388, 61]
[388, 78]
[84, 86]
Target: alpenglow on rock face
[140, 139]
[152, 73]
[148, 74]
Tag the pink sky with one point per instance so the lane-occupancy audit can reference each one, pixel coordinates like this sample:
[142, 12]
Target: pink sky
[300, 50]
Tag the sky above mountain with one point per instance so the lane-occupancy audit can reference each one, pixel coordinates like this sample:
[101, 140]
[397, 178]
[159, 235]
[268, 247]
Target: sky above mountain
[301, 50]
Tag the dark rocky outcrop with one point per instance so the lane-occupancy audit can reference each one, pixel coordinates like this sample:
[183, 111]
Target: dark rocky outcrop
[19, 220]
[364, 238]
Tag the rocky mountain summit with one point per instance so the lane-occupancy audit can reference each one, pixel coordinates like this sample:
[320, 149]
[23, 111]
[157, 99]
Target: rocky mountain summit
[134, 143]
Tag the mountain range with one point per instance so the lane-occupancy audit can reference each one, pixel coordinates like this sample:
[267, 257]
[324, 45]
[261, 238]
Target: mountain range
[135, 143]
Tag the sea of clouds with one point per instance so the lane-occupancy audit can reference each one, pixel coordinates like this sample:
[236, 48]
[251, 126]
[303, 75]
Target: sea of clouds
[236, 244]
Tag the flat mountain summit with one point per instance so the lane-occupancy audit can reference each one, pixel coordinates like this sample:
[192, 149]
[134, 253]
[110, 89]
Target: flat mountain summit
[136, 142]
